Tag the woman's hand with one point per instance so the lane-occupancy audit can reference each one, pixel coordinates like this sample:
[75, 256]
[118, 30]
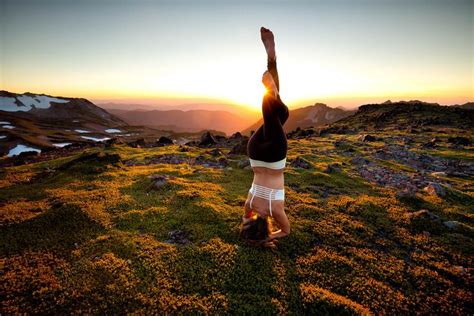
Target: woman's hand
[245, 220]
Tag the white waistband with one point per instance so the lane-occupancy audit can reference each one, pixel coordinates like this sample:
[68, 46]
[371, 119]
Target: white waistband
[267, 193]
[280, 164]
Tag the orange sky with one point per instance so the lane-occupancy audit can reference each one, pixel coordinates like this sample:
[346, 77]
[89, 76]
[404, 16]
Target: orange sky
[342, 53]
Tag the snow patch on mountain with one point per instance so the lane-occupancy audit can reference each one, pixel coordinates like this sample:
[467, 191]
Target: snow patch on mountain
[25, 103]
[95, 138]
[113, 130]
[18, 149]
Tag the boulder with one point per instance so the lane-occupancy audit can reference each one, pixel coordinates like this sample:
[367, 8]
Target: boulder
[435, 189]
[333, 167]
[423, 214]
[223, 162]
[158, 181]
[243, 163]
[183, 148]
[451, 224]
[177, 236]
[207, 139]
[359, 160]
[367, 138]
[458, 140]
[27, 154]
[301, 163]
[236, 135]
[215, 152]
[428, 145]
[406, 193]
[220, 138]
[163, 141]
[98, 157]
[240, 148]
[139, 143]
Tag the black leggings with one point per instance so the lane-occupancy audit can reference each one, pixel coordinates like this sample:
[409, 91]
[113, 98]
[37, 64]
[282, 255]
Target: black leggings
[269, 143]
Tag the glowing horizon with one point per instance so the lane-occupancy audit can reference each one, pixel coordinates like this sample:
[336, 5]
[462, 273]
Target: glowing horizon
[342, 53]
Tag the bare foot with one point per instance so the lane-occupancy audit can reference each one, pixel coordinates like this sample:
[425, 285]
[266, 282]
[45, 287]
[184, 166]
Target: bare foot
[269, 83]
[268, 42]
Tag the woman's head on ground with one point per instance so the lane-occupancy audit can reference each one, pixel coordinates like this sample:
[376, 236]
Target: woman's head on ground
[256, 231]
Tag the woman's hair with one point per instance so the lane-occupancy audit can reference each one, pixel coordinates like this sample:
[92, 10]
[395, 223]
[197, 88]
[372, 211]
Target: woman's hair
[256, 230]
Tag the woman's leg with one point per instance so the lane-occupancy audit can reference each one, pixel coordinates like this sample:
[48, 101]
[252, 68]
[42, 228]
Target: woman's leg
[272, 68]
[273, 82]
[269, 43]
[269, 143]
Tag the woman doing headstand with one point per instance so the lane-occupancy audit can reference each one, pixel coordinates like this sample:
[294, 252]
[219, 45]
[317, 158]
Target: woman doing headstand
[266, 150]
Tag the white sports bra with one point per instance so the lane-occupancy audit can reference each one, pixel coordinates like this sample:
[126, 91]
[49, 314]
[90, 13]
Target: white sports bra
[280, 164]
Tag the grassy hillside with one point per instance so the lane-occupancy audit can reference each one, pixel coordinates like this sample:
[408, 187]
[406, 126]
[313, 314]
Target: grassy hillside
[94, 235]
[406, 114]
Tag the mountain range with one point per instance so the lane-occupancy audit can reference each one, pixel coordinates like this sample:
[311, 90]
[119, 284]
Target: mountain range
[188, 121]
[41, 121]
[49, 121]
[314, 115]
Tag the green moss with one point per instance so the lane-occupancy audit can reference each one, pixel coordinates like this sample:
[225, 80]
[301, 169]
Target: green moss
[94, 238]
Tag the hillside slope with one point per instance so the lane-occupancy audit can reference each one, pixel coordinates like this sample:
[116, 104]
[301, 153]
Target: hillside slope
[314, 115]
[378, 227]
[40, 121]
[187, 121]
[405, 115]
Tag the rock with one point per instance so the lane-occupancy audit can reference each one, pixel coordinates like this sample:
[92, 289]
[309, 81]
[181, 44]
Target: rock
[299, 133]
[460, 269]
[458, 140]
[431, 143]
[367, 138]
[340, 143]
[220, 138]
[407, 140]
[215, 152]
[158, 180]
[406, 193]
[94, 157]
[334, 167]
[207, 139]
[183, 148]
[360, 161]
[139, 143]
[27, 154]
[163, 141]
[301, 163]
[323, 132]
[199, 159]
[192, 143]
[178, 236]
[240, 148]
[423, 214]
[451, 224]
[243, 163]
[223, 162]
[435, 189]
[236, 135]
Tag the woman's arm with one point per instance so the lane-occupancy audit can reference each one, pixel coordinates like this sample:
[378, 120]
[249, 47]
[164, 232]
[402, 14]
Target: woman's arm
[283, 223]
